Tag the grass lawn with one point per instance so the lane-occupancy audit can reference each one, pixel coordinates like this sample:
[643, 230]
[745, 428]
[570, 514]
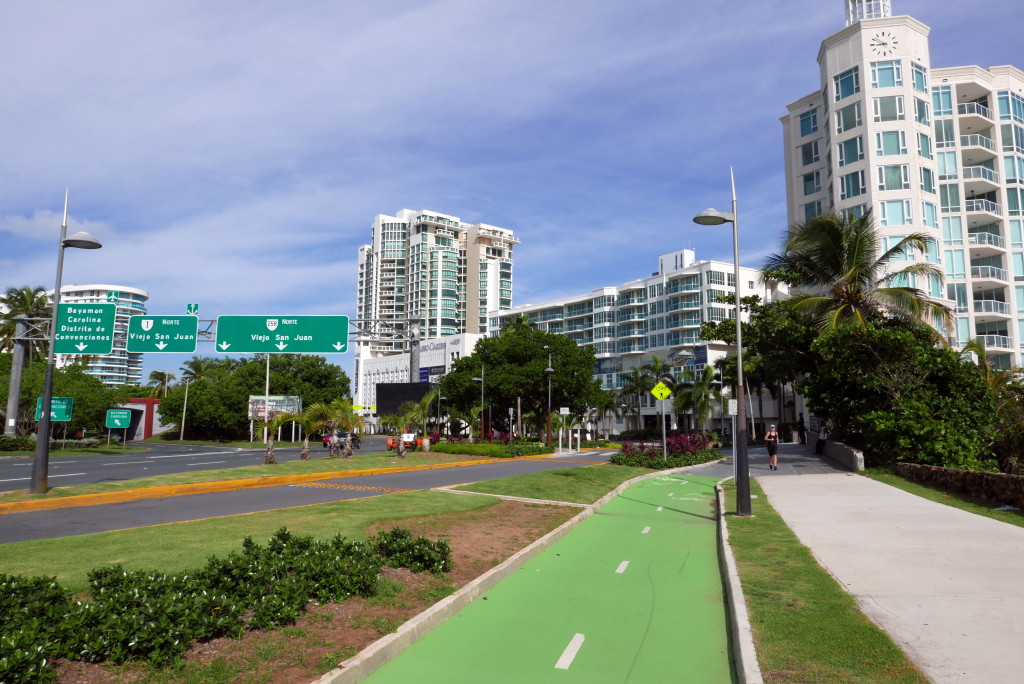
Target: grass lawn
[807, 629]
[946, 496]
[380, 459]
[577, 485]
[57, 452]
[182, 546]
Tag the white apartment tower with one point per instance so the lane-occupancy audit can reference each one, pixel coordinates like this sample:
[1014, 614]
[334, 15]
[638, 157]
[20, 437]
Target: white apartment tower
[938, 150]
[120, 366]
[434, 268]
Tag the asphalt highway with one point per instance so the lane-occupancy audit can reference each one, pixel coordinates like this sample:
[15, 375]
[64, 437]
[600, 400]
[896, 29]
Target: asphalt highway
[105, 517]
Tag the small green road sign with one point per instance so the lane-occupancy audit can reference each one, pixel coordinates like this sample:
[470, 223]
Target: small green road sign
[192, 309]
[113, 297]
[85, 329]
[60, 408]
[661, 391]
[119, 418]
[163, 334]
[282, 334]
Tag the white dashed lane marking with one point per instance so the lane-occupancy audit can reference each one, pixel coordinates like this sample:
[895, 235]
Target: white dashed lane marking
[569, 654]
[645, 530]
[622, 567]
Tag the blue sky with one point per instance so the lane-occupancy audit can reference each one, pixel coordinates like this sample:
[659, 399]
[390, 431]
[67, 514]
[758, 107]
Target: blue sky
[234, 153]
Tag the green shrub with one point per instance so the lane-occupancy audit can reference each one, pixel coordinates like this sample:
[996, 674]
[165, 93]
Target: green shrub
[16, 443]
[477, 449]
[651, 457]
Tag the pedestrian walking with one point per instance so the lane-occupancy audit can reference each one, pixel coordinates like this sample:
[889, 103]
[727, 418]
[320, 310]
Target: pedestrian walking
[772, 441]
[819, 447]
[801, 429]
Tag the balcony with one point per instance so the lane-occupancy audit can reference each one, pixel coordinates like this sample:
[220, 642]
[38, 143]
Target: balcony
[977, 148]
[639, 331]
[975, 206]
[995, 342]
[987, 310]
[988, 273]
[974, 115]
[980, 179]
[632, 348]
[985, 244]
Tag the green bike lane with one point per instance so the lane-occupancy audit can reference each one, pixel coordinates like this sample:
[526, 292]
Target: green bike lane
[632, 594]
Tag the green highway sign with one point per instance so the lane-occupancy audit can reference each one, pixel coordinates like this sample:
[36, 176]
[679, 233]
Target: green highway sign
[163, 334]
[60, 408]
[113, 297]
[282, 334]
[85, 329]
[119, 418]
[192, 309]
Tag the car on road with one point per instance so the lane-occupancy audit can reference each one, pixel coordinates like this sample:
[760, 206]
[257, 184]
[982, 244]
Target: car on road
[410, 439]
[342, 436]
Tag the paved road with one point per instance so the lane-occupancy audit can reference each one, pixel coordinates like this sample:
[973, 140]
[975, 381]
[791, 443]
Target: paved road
[158, 459]
[101, 518]
[632, 594]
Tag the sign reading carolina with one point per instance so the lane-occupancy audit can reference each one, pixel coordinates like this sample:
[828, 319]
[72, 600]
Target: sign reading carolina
[85, 329]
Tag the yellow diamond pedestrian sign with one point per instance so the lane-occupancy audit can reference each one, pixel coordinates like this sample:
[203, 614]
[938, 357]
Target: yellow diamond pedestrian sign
[661, 391]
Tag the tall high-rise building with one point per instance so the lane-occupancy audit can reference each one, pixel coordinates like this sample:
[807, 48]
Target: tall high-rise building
[938, 150]
[119, 367]
[435, 269]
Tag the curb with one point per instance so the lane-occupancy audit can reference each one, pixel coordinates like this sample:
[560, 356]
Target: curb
[742, 637]
[370, 659]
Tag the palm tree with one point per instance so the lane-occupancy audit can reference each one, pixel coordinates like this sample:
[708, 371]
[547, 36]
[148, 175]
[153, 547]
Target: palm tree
[29, 301]
[199, 368]
[276, 422]
[845, 278]
[694, 395]
[634, 385]
[161, 381]
[311, 420]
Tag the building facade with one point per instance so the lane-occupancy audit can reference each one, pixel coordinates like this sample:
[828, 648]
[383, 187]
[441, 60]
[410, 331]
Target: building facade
[119, 367]
[659, 315]
[936, 150]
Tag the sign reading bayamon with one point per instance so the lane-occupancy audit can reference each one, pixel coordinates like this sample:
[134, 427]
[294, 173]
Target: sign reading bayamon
[282, 334]
[163, 334]
[85, 329]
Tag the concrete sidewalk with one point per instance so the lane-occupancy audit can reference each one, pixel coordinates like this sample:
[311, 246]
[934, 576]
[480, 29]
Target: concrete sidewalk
[946, 585]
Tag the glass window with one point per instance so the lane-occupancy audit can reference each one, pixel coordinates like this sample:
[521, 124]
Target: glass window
[952, 230]
[1020, 299]
[927, 180]
[848, 117]
[812, 209]
[920, 77]
[930, 215]
[895, 213]
[851, 150]
[851, 185]
[1011, 107]
[949, 198]
[1013, 168]
[947, 165]
[893, 240]
[942, 100]
[1016, 234]
[957, 292]
[945, 134]
[890, 143]
[886, 74]
[889, 108]
[854, 213]
[846, 83]
[812, 182]
[1015, 201]
[809, 122]
[920, 111]
[924, 146]
[954, 264]
[1013, 138]
[896, 177]
[809, 152]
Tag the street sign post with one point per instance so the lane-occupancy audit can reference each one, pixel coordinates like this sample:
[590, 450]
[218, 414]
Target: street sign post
[119, 418]
[85, 329]
[282, 334]
[167, 334]
[661, 392]
[60, 409]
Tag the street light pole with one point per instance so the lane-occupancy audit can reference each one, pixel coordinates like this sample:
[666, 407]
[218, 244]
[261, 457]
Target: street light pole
[481, 381]
[41, 464]
[550, 371]
[711, 217]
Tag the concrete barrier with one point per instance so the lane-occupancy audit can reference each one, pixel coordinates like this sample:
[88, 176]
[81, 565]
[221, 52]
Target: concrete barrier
[845, 455]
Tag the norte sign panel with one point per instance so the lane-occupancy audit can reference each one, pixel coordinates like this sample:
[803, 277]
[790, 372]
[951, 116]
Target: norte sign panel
[282, 334]
[163, 334]
[85, 328]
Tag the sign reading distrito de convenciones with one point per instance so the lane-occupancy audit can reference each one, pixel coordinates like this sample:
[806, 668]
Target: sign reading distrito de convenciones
[85, 329]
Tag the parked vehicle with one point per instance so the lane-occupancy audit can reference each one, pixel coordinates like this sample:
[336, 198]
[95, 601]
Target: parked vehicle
[410, 439]
[342, 436]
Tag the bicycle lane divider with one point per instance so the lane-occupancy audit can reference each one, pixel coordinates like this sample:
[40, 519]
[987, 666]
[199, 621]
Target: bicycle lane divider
[609, 601]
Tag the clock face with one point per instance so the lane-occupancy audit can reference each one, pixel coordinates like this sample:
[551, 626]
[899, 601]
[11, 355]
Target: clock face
[883, 43]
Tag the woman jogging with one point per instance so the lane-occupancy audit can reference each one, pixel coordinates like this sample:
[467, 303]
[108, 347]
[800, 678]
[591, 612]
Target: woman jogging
[772, 440]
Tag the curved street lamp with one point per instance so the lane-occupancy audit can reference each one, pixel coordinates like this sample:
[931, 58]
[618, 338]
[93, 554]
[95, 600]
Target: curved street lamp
[41, 464]
[712, 217]
[550, 371]
[481, 381]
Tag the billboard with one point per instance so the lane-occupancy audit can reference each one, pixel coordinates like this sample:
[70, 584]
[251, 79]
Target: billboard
[391, 395]
[275, 404]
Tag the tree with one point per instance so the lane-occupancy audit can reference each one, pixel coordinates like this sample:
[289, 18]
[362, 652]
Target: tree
[694, 394]
[29, 301]
[161, 381]
[837, 263]
[635, 384]
[200, 368]
[312, 421]
[276, 422]
[890, 390]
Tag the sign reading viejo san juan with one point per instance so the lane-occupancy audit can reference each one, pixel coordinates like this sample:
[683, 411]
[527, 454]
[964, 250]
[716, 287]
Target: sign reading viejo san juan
[163, 334]
[282, 334]
[85, 329]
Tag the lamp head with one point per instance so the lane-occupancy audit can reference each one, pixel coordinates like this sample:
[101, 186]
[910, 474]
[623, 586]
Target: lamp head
[713, 217]
[82, 240]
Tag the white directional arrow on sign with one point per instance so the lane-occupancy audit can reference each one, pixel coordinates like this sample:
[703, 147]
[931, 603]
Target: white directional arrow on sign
[223, 346]
[338, 345]
[117, 422]
[81, 346]
[281, 345]
[160, 345]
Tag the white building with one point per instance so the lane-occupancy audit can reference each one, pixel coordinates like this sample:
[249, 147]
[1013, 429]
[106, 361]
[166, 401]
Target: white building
[659, 315]
[939, 150]
[120, 367]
